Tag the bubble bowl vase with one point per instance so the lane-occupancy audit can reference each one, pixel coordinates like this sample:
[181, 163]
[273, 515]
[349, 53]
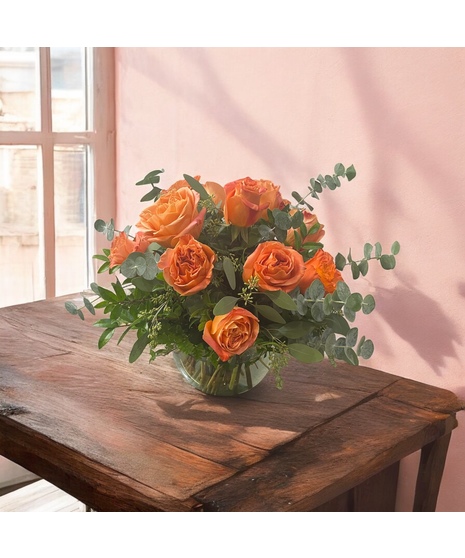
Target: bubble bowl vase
[226, 379]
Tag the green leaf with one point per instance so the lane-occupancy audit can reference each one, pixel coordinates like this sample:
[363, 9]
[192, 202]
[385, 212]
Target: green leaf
[88, 305]
[281, 299]
[328, 304]
[71, 307]
[338, 324]
[195, 185]
[225, 305]
[116, 312]
[103, 267]
[296, 330]
[317, 312]
[343, 291]
[354, 302]
[230, 272]
[150, 195]
[107, 295]
[329, 344]
[340, 262]
[145, 285]
[282, 219]
[368, 304]
[355, 270]
[95, 288]
[135, 264]
[119, 291]
[367, 349]
[387, 261]
[150, 178]
[138, 347]
[363, 267]
[100, 225]
[297, 220]
[151, 267]
[297, 197]
[101, 257]
[349, 314]
[339, 169]
[378, 250]
[304, 353]
[395, 248]
[270, 313]
[110, 230]
[105, 337]
[350, 173]
[330, 182]
[316, 290]
[106, 323]
[351, 337]
[367, 250]
[351, 356]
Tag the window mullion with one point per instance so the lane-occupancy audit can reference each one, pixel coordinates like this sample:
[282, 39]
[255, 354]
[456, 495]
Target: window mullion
[48, 185]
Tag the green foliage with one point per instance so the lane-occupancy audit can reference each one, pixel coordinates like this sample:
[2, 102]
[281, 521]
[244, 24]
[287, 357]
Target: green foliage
[360, 267]
[330, 181]
[142, 309]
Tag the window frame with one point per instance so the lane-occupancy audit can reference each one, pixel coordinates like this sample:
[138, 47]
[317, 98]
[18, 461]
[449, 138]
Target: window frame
[101, 143]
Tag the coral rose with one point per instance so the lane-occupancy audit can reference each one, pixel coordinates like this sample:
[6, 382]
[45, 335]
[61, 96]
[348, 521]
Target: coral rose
[122, 246]
[248, 200]
[188, 267]
[321, 267]
[278, 267]
[173, 215]
[310, 221]
[231, 334]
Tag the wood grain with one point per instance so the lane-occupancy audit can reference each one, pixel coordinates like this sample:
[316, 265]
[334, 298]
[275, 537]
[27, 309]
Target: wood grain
[137, 437]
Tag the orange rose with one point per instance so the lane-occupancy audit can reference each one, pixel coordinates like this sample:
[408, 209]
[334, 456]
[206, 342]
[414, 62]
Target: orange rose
[173, 215]
[277, 267]
[188, 266]
[310, 220]
[216, 191]
[231, 334]
[122, 246]
[248, 200]
[321, 267]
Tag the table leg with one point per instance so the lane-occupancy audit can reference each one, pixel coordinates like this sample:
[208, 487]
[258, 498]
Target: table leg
[432, 461]
[378, 493]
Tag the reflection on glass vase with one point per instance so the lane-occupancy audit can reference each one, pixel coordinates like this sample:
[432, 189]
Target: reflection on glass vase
[230, 378]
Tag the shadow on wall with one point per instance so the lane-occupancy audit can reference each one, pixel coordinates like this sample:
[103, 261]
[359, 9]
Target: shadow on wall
[421, 322]
[204, 90]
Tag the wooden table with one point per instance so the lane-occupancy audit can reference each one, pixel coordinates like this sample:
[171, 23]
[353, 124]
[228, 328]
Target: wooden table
[123, 437]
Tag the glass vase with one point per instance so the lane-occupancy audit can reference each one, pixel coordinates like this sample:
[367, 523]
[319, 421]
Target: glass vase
[230, 378]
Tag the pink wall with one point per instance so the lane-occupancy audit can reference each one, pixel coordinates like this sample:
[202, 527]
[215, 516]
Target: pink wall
[286, 114]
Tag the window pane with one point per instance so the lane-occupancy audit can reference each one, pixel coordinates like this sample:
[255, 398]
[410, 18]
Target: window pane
[70, 218]
[19, 99]
[21, 277]
[68, 89]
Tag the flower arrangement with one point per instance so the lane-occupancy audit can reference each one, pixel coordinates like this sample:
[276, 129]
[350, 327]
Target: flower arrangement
[231, 279]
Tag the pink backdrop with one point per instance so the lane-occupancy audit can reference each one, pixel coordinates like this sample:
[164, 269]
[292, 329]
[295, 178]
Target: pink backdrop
[287, 114]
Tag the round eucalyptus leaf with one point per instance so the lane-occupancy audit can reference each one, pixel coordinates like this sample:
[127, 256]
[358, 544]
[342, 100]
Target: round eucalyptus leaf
[368, 304]
[366, 350]
[395, 248]
[354, 302]
[317, 312]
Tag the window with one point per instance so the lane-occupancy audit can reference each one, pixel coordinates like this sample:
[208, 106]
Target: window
[57, 167]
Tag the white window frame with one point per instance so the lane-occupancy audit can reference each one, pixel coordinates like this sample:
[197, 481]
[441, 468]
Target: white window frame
[101, 139]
